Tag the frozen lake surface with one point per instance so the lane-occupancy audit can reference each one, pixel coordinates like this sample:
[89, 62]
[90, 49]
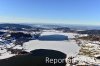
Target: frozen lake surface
[68, 47]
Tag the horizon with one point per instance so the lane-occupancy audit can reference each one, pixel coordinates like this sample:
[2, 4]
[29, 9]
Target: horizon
[73, 25]
[75, 12]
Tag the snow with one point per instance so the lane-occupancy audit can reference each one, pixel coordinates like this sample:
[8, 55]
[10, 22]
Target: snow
[81, 35]
[18, 47]
[3, 51]
[69, 47]
[6, 55]
[97, 55]
[0, 39]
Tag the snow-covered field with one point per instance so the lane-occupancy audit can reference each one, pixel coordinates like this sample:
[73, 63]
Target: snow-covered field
[67, 46]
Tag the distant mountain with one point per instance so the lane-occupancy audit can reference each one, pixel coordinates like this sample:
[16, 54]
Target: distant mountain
[89, 32]
[71, 26]
[49, 26]
[14, 26]
[83, 27]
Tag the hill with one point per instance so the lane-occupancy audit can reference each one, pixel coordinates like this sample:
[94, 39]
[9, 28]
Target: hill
[14, 26]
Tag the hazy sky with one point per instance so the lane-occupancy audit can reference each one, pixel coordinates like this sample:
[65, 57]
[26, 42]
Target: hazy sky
[86, 12]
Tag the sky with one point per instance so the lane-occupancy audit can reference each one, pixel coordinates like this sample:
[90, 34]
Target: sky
[84, 12]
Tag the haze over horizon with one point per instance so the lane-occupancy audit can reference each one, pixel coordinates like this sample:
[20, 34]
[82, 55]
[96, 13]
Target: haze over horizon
[79, 12]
